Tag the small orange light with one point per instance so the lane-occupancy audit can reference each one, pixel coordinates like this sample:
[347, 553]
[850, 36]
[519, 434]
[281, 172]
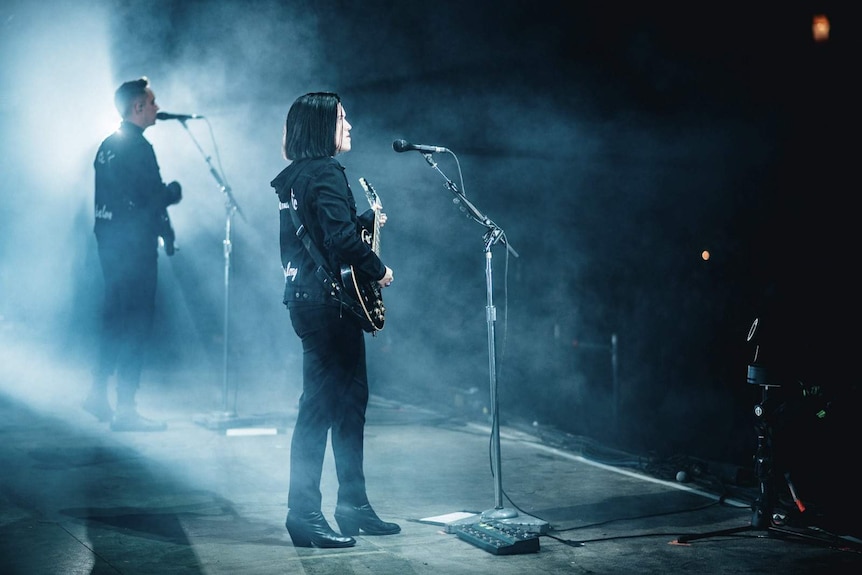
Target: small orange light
[820, 28]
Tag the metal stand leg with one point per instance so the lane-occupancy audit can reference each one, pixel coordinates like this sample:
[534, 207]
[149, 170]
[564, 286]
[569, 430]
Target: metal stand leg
[227, 417]
[498, 512]
[506, 515]
[762, 521]
[228, 414]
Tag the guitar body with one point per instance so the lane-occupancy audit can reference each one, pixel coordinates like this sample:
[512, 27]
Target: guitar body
[166, 232]
[367, 294]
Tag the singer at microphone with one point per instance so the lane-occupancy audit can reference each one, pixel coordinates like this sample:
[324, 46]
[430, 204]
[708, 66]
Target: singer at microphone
[180, 117]
[404, 146]
[132, 219]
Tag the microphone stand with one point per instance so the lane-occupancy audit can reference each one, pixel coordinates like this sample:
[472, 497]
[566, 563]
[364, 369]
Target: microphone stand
[492, 236]
[227, 413]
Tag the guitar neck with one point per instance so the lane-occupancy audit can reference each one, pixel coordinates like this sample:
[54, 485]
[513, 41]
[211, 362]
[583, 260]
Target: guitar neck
[375, 240]
[374, 202]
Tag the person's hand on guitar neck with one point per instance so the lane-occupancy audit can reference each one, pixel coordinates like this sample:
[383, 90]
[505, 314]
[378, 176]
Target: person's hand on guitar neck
[386, 280]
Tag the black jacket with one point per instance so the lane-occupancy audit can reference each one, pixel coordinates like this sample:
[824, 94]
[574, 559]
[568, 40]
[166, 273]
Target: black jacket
[319, 192]
[130, 196]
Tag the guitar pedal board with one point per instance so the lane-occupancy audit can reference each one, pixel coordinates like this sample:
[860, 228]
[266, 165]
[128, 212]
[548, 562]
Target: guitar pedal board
[498, 538]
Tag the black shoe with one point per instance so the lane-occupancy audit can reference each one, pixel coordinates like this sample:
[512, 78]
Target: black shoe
[351, 519]
[133, 421]
[310, 529]
[97, 405]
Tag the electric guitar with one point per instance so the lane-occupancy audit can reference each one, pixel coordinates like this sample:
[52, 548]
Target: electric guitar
[367, 293]
[166, 232]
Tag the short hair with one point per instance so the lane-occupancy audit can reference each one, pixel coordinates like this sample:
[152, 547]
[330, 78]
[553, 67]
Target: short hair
[309, 130]
[128, 93]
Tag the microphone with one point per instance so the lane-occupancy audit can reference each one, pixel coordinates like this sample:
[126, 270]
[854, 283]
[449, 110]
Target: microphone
[180, 117]
[404, 146]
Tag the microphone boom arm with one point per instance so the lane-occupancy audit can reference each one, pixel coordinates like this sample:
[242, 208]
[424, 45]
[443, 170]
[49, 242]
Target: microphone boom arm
[495, 233]
[230, 202]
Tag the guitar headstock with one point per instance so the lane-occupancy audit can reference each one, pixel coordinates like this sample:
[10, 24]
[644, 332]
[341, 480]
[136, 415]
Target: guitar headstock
[370, 194]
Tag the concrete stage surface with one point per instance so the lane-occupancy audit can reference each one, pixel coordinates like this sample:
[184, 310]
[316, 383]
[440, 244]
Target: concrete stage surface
[209, 496]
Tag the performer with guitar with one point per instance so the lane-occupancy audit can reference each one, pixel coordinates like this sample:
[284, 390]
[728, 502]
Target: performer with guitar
[131, 202]
[333, 277]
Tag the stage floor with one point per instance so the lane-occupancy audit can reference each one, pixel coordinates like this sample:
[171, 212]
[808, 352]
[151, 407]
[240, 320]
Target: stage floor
[209, 496]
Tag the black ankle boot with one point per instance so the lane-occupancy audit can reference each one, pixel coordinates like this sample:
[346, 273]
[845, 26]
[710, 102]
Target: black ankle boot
[351, 519]
[310, 529]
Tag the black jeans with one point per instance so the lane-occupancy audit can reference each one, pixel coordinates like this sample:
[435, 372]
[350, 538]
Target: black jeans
[127, 317]
[334, 397]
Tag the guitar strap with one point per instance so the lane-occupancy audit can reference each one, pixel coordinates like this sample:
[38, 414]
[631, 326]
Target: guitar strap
[322, 271]
[303, 236]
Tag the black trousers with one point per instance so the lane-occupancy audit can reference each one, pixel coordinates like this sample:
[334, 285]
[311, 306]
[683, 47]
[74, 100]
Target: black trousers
[334, 398]
[127, 318]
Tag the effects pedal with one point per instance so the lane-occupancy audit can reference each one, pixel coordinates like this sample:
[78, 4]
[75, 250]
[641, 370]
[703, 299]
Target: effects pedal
[498, 538]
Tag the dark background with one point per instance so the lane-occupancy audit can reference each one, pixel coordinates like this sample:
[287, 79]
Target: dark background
[612, 143]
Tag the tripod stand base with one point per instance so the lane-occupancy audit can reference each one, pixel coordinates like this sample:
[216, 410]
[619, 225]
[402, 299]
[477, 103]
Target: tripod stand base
[216, 420]
[819, 537]
[231, 423]
[511, 517]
